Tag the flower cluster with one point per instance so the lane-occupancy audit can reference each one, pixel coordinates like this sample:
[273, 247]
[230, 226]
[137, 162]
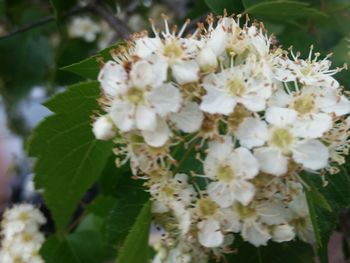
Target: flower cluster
[252, 117]
[21, 238]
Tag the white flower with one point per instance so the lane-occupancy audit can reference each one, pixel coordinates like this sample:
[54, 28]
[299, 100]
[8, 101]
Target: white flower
[282, 142]
[310, 71]
[85, 28]
[214, 222]
[315, 108]
[230, 169]
[227, 36]
[178, 52]
[168, 191]
[142, 100]
[246, 84]
[103, 128]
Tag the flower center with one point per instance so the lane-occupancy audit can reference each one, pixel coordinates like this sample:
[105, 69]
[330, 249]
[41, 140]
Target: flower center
[172, 50]
[304, 104]
[245, 212]
[225, 173]
[282, 138]
[135, 95]
[306, 70]
[168, 191]
[207, 207]
[236, 87]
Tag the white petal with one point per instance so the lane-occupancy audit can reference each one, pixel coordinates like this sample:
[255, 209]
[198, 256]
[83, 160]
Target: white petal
[103, 128]
[165, 99]
[209, 234]
[279, 99]
[280, 116]
[274, 212]
[217, 39]
[244, 192]
[311, 154]
[112, 78]
[313, 127]
[216, 101]
[145, 46]
[189, 118]
[339, 106]
[255, 233]
[207, 59]
[221, 193]
[252, 102]
[185, 72]
[141, 74]
[159, 136]
[248, 165]
[122, 114]
[252, 132]
[283, 233]
[271, 161]
[145, 118]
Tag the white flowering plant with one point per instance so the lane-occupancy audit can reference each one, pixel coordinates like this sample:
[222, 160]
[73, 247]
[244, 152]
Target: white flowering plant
[210, 145]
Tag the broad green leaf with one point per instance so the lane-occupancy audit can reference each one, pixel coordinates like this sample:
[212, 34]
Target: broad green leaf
[284, 10]
[130, 195]
[70, 159]
[62, 6]
[90, 67]
[85, 245]
[231, 6]
[286, 252]
[55, 250]
[135, 248]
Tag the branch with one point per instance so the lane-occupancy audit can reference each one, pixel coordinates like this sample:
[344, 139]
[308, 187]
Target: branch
[44, 21]
[107, 14]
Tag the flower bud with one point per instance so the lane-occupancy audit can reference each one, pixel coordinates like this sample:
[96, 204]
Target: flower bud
[283, 233]
[207, 60]
[103, 128]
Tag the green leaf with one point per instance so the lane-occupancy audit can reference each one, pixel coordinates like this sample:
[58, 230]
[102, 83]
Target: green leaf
[231, 6]
[61, 7]
[336, 194]
[317, 198]
[135, 248]
[286, 252]
[284, 10]
[90, 67]
[55, 250]
[70, 159]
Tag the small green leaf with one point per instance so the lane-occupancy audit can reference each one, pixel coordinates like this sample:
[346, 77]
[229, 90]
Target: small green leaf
[55, 250]
[284, 10]
[90, 67]
[135, 248]
[70, 159]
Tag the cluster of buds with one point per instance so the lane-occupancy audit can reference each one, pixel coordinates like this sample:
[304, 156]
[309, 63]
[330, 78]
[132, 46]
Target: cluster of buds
[258, 116]
[21, 237]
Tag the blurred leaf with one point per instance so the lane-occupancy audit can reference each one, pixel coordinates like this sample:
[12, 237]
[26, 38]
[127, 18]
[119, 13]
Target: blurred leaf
[90, 67]
[61, 6]
[283, 10]
[286, 252]
[337, 194]
[231, 6]
[135, 248]
[70, 159]
[56, 250]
